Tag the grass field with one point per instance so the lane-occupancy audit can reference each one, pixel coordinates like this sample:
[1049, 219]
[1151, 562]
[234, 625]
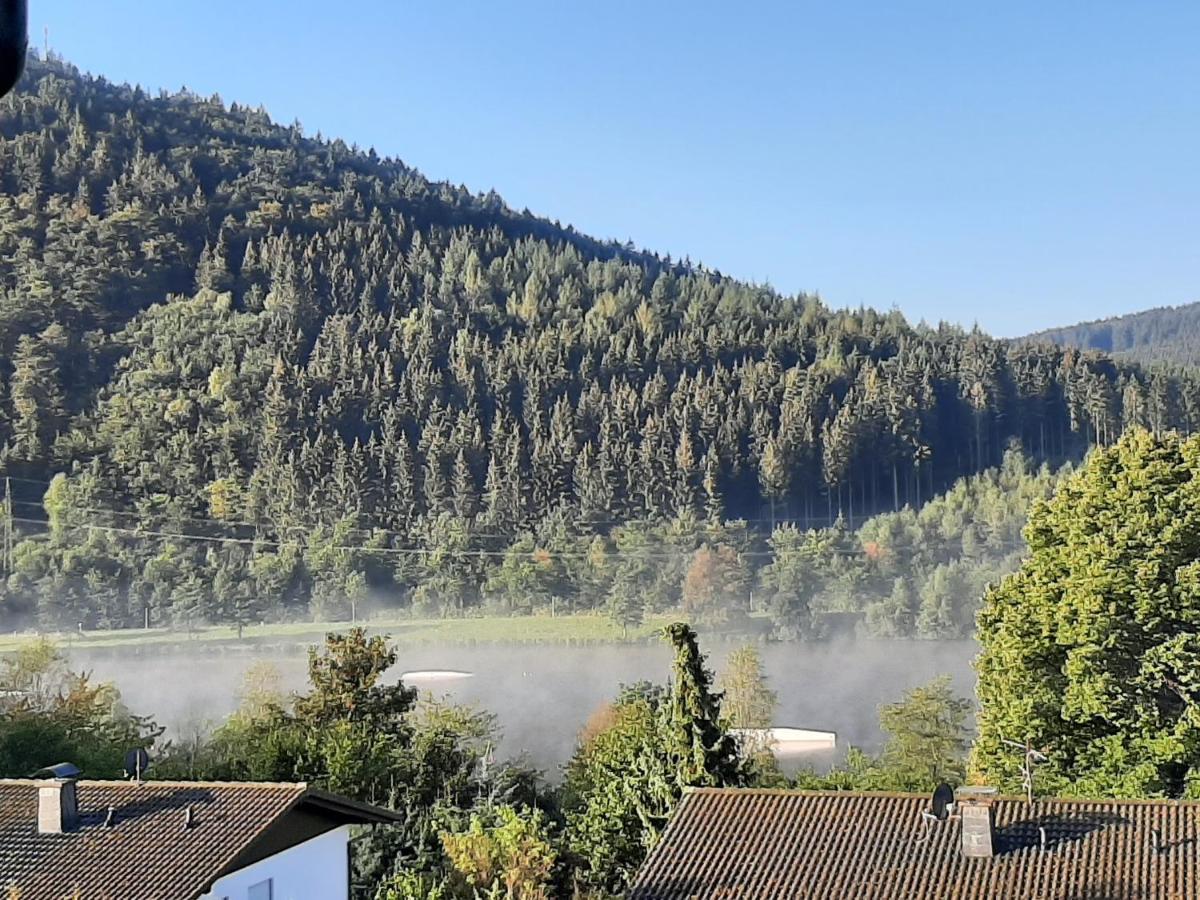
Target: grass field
[474, 630]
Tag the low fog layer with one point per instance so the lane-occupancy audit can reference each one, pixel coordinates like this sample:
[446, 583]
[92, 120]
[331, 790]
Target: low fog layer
[543, 695]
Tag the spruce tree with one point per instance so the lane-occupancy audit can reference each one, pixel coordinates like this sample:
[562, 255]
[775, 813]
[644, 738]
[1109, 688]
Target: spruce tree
[702, 752]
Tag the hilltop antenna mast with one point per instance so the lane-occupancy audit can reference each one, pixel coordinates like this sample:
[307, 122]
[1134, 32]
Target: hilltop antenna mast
[1029, 759]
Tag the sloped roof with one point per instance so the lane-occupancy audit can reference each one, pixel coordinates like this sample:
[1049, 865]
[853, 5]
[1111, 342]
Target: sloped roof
[148, 853]
[778, 845]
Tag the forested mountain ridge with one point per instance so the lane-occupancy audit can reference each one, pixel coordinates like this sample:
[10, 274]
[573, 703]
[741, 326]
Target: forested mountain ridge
[275, 376]
[1167, 334]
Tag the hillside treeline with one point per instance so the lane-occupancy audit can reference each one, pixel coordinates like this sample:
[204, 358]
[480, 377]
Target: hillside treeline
[249, 374]
[1169, 335]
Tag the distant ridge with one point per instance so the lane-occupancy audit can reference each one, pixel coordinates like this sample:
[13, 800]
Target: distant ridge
[1166, 334]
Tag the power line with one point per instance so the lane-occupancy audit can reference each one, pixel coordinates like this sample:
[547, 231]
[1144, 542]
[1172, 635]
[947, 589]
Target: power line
[404, 551]
[263, 542]
[6, 546]
[368, 531]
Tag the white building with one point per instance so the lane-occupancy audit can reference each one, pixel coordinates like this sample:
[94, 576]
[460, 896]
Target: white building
[159, 840]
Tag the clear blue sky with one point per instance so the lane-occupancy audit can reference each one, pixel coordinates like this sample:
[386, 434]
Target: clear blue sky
[1016, 164]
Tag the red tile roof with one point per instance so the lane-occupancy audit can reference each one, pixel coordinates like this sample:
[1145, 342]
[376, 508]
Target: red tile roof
[148, 853]
[776, 845]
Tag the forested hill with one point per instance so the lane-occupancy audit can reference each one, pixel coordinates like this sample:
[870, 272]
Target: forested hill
[275, 374]
[1168, 334]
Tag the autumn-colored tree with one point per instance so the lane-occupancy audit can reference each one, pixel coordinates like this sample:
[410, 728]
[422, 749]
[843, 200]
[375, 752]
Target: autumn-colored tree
[504, 853]
[715, 586]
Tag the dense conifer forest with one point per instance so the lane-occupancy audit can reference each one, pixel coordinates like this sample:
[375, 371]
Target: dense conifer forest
[1169, 335]
[247, 374]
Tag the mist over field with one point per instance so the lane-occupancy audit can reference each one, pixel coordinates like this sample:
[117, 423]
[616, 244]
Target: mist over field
[543, 695]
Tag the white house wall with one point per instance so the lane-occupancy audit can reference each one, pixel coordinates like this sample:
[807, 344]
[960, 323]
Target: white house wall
[318, 869]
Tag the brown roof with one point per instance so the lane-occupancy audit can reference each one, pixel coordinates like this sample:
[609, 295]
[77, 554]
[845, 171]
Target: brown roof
[148, 853]
[774, 845]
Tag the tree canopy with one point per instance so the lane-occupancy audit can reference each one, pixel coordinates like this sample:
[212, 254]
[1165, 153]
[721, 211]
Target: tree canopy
[1091, 650]
[625, 778]
[51, 714]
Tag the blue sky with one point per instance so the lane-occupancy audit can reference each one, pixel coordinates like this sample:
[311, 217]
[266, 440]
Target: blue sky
[1014, 164]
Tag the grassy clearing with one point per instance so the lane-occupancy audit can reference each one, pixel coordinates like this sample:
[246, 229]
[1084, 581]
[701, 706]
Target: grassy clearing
[475, 630]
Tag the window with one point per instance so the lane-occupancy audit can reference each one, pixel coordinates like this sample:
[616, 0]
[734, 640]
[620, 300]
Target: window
[260, 891]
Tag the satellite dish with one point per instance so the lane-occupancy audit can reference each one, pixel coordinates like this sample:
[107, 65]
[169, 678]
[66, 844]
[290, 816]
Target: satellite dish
[943, 799]
[13, 40]
[137, 761]
[60, 770]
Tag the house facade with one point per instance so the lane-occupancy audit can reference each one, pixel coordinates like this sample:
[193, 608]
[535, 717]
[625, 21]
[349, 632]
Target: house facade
[318, 867]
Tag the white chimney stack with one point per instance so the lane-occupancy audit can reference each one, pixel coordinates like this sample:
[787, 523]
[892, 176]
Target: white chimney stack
[974, 805]
[58, 805]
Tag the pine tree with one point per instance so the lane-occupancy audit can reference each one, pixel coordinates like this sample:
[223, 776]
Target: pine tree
[686, 474]
[37, 400]
[465, 495]
[590, 489]
[927, 737]
[626, 598]
[748, 701]
[773, 474]
[625, 780]
[714, 504]
[434, 485]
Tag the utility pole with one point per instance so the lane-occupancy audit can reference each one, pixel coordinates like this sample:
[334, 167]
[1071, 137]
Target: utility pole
[8, 526]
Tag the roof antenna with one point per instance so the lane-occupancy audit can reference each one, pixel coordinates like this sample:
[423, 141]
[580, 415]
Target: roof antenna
[1030, 758]
[110, 816]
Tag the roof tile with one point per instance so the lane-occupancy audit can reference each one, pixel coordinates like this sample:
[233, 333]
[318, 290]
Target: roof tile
[774, 845]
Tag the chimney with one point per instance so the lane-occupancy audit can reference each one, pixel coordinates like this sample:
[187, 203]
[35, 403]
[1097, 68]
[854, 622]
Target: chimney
[58, 808]
[974, 806]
